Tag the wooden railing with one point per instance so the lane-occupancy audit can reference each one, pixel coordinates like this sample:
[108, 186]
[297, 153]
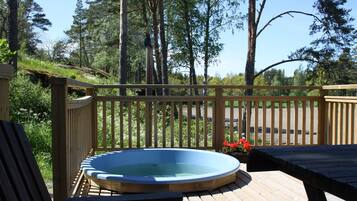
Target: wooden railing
[341, 111]
[134, 122]
[103, 121]
[6, 73]
[71, 133]
[205, 121]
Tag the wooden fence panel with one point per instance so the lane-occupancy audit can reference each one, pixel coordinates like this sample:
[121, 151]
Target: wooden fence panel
[341, 120]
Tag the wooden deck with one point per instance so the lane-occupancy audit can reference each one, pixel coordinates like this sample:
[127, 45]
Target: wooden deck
[273, 185]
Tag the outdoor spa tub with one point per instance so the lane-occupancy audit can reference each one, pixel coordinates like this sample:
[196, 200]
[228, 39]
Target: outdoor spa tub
[161, 169]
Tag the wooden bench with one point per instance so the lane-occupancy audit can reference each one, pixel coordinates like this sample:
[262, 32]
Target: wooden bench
[330, 168]
[20, 177]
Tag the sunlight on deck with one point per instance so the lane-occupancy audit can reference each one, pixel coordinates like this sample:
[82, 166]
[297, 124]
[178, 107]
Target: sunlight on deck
[273, 185]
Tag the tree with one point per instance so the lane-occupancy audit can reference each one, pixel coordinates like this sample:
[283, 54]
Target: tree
[78, 34]
[185, 34]
[153, 5]
[79, 22]
[101, 38]
[216, 17]
[123, 44]
[332, 49]
[59, 50]
[31, 18]
[342, 70]
[165, 75]
[189, 42]
[13, 37]
[331, 23]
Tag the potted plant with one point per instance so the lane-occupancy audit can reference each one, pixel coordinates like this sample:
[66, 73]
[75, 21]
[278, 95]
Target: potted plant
[238, 149]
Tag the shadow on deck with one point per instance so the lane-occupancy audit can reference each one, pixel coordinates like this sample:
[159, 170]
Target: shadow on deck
[273, 185]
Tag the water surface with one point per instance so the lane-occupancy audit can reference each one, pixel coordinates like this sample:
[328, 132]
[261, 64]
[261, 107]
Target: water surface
[162, 170]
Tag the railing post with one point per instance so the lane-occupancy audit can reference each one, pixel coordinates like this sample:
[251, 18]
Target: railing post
[6, 73]
[60, 139]
[94, 119]
[219, 119]
[322, 120]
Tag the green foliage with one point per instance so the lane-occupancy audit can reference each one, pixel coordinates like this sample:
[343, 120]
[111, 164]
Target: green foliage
[30, 106]
[342, 70]
[39, 134]
[5, 53]
[28, 101]
[299, 79]
[336, 36]
[59, 51]
[31, 18]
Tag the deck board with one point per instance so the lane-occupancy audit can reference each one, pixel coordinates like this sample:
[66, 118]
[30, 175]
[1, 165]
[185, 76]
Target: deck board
[273, 185]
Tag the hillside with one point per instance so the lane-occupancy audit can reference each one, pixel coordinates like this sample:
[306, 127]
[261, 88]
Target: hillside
[30, 103]
[43, 70]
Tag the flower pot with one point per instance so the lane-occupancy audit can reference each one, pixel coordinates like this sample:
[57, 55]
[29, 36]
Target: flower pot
[242, 157]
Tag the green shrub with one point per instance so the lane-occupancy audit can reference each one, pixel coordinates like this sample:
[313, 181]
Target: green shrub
[28, 101]
[5, 53]
[30, 106]
[39, 135]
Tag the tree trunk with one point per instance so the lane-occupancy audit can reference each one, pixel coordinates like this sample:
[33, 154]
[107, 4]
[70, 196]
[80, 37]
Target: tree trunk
[87, 63]
[149, 63]
[13, 32]
[252, 32]
[206, 43]
[193, 79]
[155, 24]
[165, 76]
[249, 67]
[80, 45]
[123, 44]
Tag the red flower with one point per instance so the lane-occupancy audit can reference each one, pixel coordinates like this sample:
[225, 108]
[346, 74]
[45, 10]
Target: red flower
[247, 146]
[226, 144]
[234, 145]
[242, 141]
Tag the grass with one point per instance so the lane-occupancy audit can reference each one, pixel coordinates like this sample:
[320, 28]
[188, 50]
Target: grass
[30, 64]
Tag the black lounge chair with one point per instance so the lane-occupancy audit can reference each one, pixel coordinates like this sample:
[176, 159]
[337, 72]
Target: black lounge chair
[20, 177]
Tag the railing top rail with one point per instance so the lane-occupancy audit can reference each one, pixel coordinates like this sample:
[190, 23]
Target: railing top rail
[98, 86]
[80, 102]
[155, 98]
[70, 82]
[336, 87]
[265, 98]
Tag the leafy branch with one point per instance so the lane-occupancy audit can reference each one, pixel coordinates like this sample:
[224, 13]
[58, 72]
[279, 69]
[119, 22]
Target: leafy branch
[290, 13]
[282, 62]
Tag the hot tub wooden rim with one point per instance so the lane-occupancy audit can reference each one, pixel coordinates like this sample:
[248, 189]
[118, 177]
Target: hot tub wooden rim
[125, 187]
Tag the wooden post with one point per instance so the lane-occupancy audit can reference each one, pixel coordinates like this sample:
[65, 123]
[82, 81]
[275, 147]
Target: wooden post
[148, 104]
[60, 139]
[6, 73]
[219, 119]
[322, 119]
[94, 120]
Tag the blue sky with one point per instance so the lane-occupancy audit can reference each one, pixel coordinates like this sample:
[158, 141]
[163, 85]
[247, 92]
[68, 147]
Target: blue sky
[274, 44]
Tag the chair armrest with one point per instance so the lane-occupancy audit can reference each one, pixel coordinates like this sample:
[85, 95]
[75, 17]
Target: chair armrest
[133, 197]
